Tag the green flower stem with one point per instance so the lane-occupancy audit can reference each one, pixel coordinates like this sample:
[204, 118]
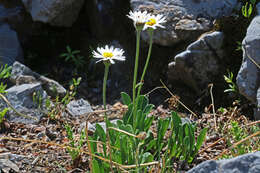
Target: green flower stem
[150, 32]
[105, 84]
[135, 73]
[147, 61]
[107, 64]
[136, 61]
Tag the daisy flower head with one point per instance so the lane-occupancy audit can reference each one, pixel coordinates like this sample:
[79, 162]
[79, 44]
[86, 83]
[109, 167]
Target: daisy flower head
[155, 21]
[109, 54]
[139, 18]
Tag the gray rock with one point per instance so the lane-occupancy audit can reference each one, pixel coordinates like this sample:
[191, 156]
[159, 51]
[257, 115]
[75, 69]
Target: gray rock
[21, 98]
[10, 48]
[248, 78]
[13, 157]
[52, 87]
[92, 127]
[103, 124]
[54, 12]
[186, 19]
[79, 107]
[258, 8]
[199, 63]
[6, 166]
[22, 74]
[248, 163]
[257, 110]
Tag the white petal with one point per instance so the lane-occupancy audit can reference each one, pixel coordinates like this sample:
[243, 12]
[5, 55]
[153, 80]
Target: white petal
[99, 60]
[112, 61]
[119, 58]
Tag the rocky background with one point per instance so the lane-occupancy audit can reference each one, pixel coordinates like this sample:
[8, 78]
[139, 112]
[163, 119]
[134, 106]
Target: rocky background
[196, 48]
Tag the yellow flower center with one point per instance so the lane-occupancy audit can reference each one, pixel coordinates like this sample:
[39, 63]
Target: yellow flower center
[108, 54]
[151, 22]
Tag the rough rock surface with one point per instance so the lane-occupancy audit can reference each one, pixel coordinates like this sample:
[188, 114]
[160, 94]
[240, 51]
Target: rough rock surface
[22, 74]
[248, 163]
[10, 48]
[8, 166]
[54, 12]
[92, 127]
[14, 157]
[79, 107]
[186, 19]
[248, 78]
[21, 98]
[198, 64]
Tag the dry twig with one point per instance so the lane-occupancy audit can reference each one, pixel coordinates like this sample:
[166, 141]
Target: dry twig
[213, 107]
[89, 147]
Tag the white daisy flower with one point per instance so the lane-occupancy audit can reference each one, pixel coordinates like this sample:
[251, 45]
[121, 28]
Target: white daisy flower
[109, 54]
[139, 18]
[155, 21]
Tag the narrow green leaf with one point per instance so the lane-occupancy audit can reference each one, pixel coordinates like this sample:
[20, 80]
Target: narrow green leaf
[140, 120]
[186, 147]
[128, 116]
[176, 122]
[148, 123]
[68, 49]
[142, 101]
[126, 98]
[148, 109]
[95, 166]
[201, 139]
[123, 149]
[150, 145]
[101, 134]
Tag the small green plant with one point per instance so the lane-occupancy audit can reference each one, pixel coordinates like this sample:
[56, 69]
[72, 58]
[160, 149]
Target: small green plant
[2, 115]
[75, 145]
[232, 85]
[142, 123]
[125, 147]
[73, 56]
[52, 108]
[181, 144]
[239, 46]
[37, 98]
[235, 134]
[238, 134]
[72, 91]
[58, 105]
[2, 88]
[5, 72]
[248, 7]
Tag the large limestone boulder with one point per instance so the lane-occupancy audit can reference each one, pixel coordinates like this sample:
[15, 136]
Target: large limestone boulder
[10, 48]
[199, 63]
[23, 75]
[248, 163]
[54, 12]
[186, 19]
[28, 99]
[248, 78]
